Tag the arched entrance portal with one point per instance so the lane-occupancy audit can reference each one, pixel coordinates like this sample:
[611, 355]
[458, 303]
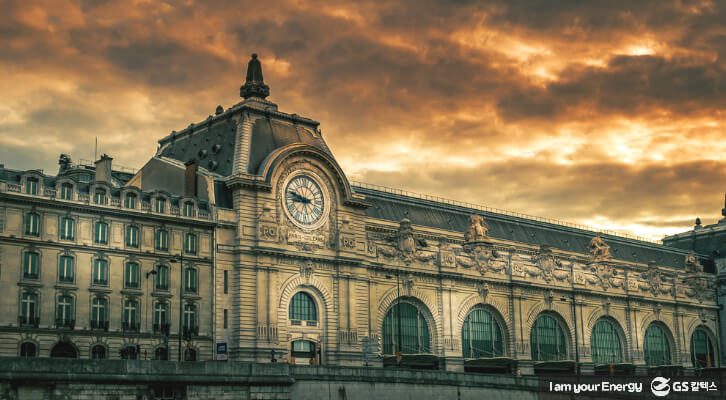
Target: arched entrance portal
[63, 350]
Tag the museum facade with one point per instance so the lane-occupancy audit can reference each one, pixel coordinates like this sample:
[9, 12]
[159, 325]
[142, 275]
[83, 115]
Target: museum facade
[242, 239]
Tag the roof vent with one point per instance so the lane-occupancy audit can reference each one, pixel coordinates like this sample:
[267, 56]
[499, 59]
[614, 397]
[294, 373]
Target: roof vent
[212, 165]
[202, 154]
[216, 148]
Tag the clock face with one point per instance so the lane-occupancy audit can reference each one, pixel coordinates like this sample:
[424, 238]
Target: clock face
[304, 201]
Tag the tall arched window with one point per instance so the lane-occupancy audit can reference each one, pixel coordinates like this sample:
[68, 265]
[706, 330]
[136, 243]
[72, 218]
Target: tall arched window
[547, 339]
[190, 355]
[161, 354]
[481, 335]
[702, 349]
[414, 330]
[302, 307]
[657, 346]
[605, 343]
[100, 233]
[28, 349]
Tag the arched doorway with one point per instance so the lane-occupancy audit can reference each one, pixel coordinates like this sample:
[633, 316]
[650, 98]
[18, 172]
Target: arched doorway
[63, 350]
[406, 323]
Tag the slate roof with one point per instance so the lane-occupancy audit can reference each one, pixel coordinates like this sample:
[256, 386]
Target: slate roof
[394, 207]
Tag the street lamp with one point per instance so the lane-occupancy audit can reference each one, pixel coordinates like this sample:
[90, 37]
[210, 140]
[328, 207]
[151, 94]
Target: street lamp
[180, 260]
[148, 274]
[399, 353]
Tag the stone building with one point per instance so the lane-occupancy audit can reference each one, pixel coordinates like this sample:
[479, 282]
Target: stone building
[297, 264]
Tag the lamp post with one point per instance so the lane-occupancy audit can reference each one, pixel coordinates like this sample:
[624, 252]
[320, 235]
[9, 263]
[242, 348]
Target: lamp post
[146, 317]
[180, 260]
[399, 353]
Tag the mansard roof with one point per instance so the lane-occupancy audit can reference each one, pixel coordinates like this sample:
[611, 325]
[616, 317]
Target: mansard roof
[454, 217]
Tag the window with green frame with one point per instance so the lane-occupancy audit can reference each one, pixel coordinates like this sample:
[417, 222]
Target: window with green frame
[190, 243]
[131, 275]
[132, 236]
[100, 232]
[605, 344]
[481, 335]
[31, 185]
[31, 265]
[160, 204]
[656, 346]
[415, 334]
[67, 228]
[99, 196]
[188, 209]
[100, 271]
[130, 201]
[702, 349]
[65, 268]
[66, 191]
[190, 280]
[162, 277]
[547, 339]
[302, 307]
[161, 240]
[32, 224]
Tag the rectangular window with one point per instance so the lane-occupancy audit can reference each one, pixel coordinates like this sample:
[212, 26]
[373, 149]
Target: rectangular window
[190, 243]
[132, 275]
[162, 277]
[130, 201]
[188, 209]
[64, 312]
[132, 236]
[130, 316]
[29, 309]
[66, 191]
[225, 318]
[31, 186]
[225, 281]
[31, 265]
[159, 205]
[99, 196]
[98, 313]
[190, 280]
[162, 240]
[100, 272]
[32, 224]
[101, 234]
[67, 226]
[65, 269]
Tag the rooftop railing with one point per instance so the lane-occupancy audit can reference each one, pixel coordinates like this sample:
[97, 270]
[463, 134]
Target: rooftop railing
[420, 196]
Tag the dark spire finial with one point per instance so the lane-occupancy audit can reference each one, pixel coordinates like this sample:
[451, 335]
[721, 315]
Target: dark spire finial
[254, 83]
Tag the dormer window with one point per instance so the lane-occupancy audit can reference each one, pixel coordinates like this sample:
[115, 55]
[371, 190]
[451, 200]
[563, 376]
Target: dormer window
[31, 185]
[188, 209]
[160, 204]
[99, 196]
[66, 191]
[130, 201]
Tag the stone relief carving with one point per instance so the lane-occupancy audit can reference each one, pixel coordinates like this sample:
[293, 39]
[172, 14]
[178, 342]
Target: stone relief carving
[477, 229]
[407, 284]
[480, 256]
[447, 257]
[306, 270]
[604, 275]
[483, 289]
[654, 281]
[599, 250]
[692, 264]
[699, 287]
[547, 266]
[406, 246]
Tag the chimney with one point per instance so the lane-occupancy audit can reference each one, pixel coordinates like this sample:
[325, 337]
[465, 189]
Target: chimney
[190, 178]
[103, 169]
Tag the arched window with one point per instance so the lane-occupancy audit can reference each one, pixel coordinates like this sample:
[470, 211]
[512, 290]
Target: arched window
[129, 352]
[657, 346]
[161, 241]
[190, 280]
[31, 265]
[605, 343]
[190, 355]
[162, 277]
[132, 236]
[302, 307]
[130, 201]
[28, 349]
[702, 349]
[100, 271]
[481, 335]
[188, 209]
[131, 315]
[65, 268]
[100, 233]
[66, 191]
[548, 339]
[64, 350]
[32, 224]
[64, 312]
[31, 185]
[414, 331]
[99, 196]
[28, 309]
[190, 243]
[131, 275]
[98, 352]
[99, 313]
[161, 354]
[67, 228]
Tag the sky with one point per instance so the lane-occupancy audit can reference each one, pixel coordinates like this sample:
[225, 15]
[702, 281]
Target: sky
[609, 114]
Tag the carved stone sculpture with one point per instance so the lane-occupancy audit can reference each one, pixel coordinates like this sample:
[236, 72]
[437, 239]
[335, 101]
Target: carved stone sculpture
[605, 276]
[692, 264]
[547, 266]
[653, 280]
[599, 250]
[406, 246]
[477, 229]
